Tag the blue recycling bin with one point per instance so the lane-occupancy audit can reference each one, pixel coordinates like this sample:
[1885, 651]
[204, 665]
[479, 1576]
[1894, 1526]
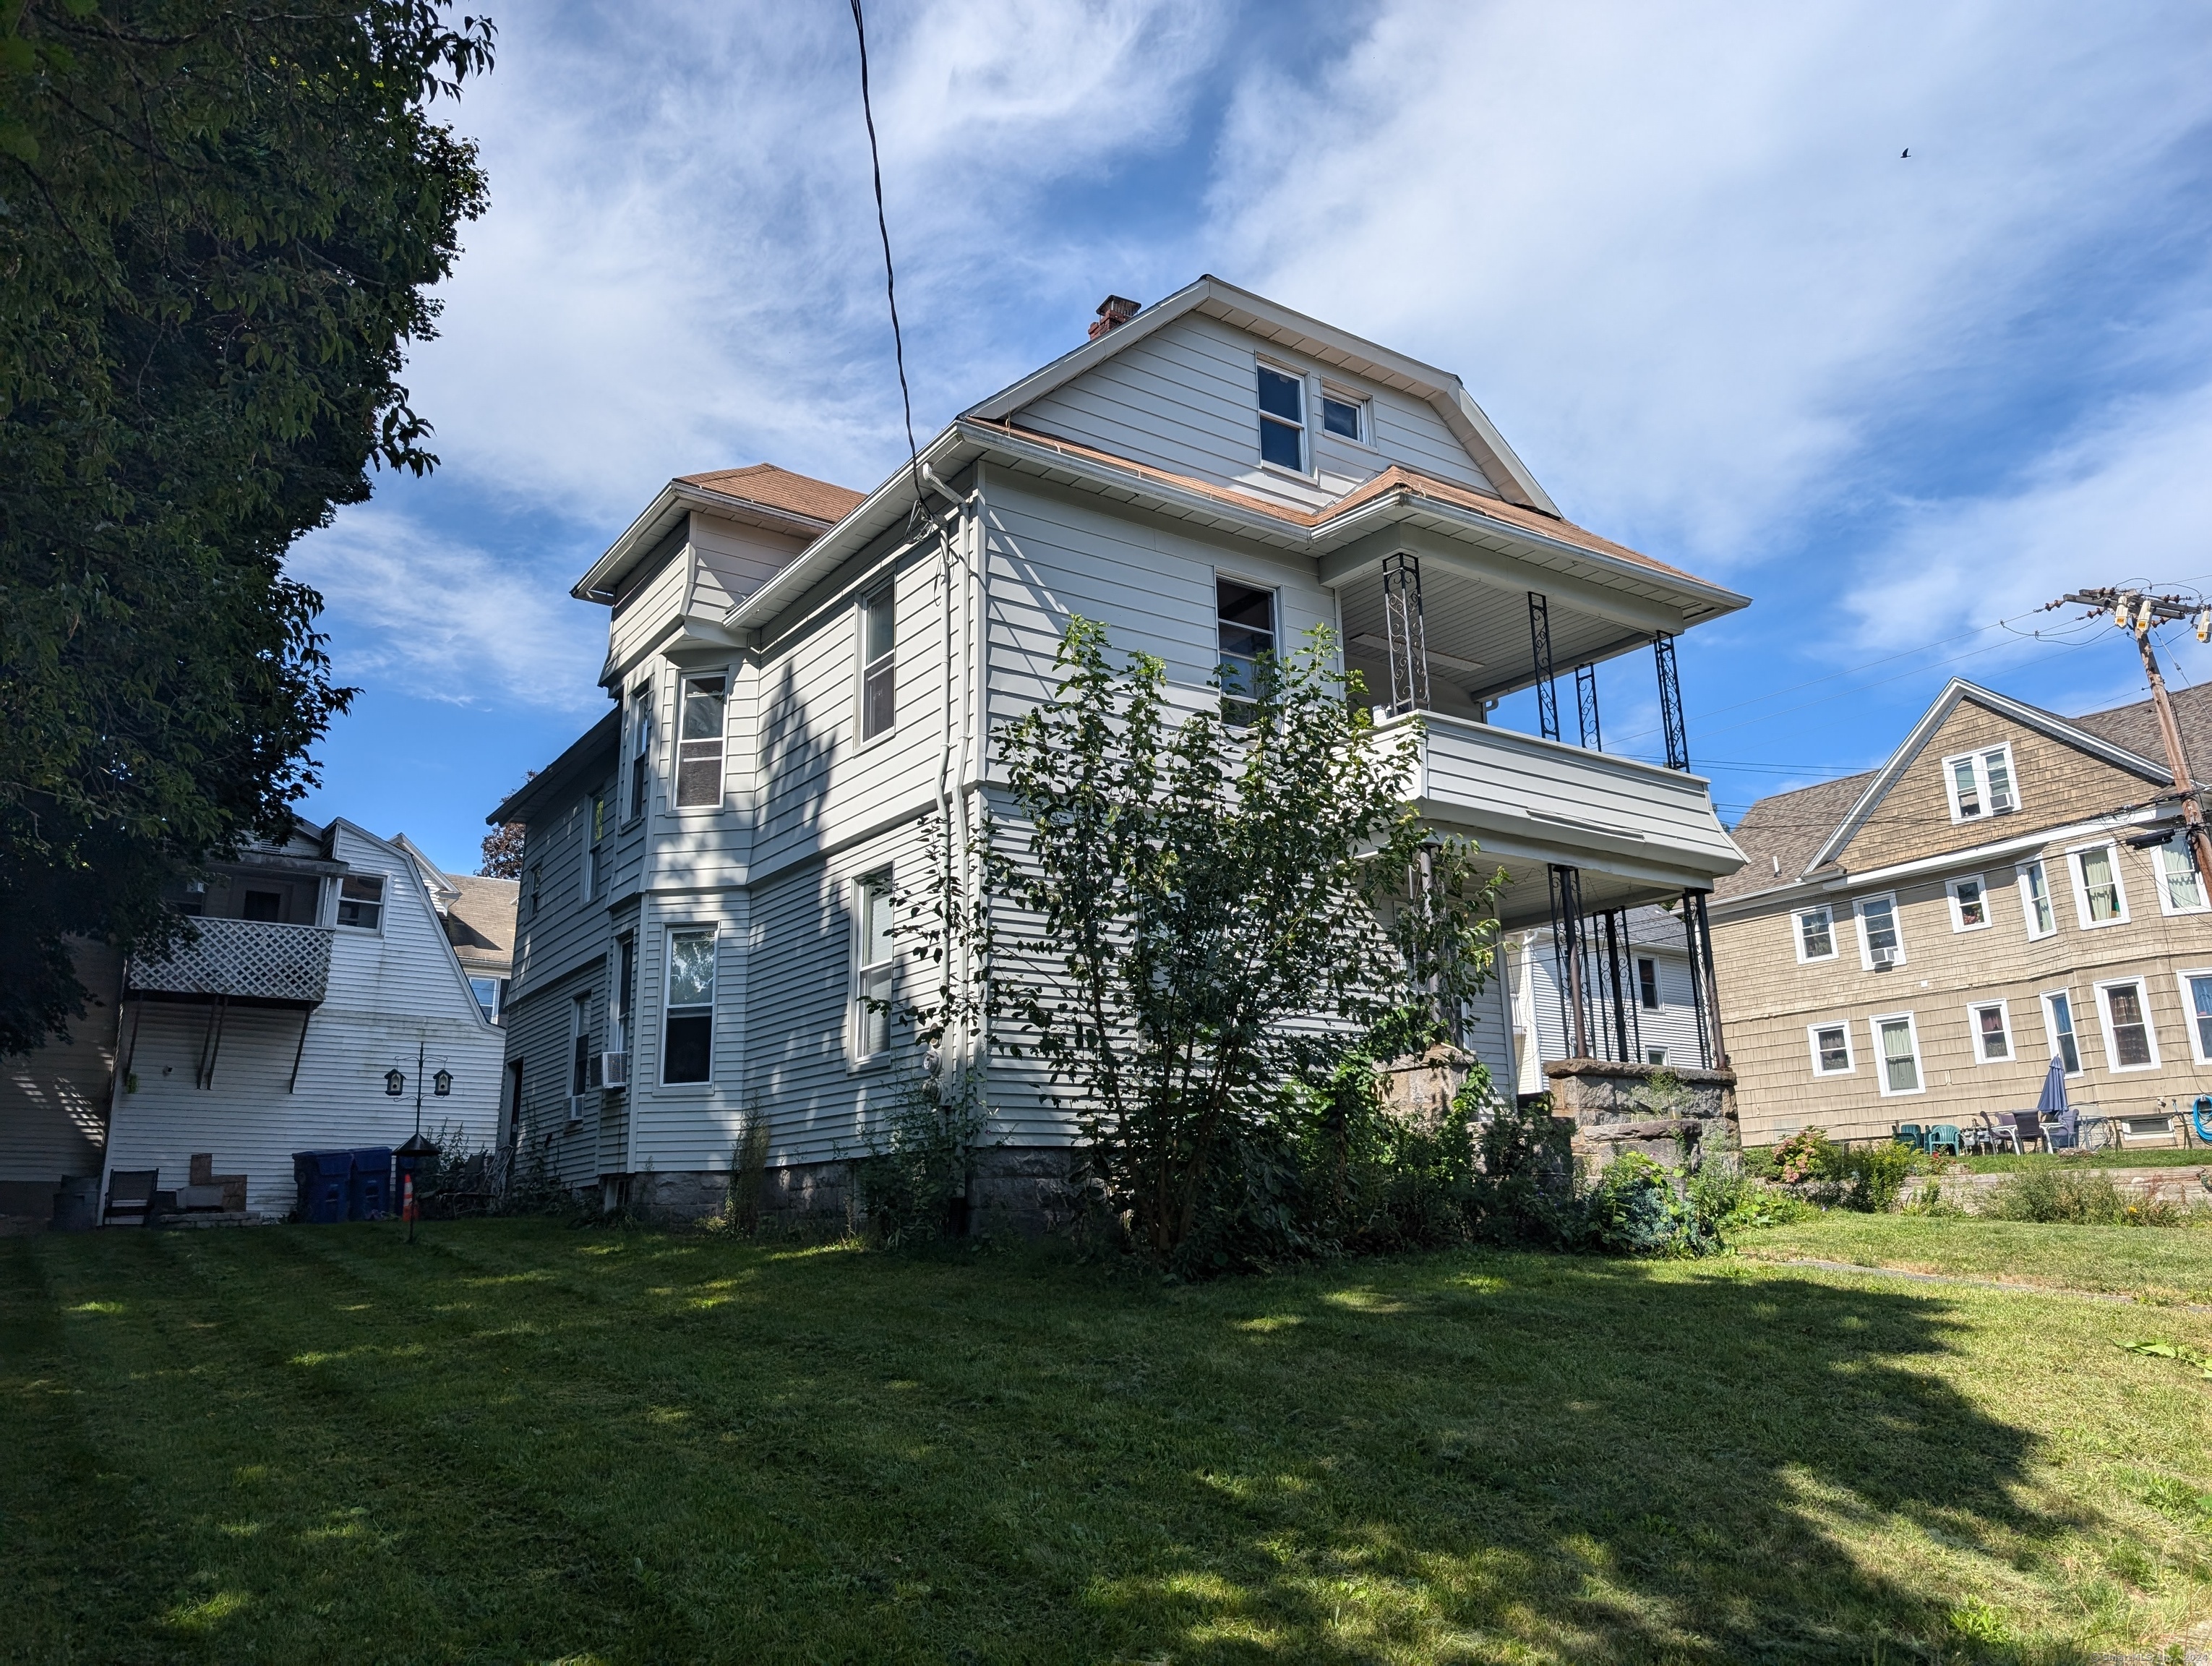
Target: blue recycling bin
[369, 1195]
[324, 1182]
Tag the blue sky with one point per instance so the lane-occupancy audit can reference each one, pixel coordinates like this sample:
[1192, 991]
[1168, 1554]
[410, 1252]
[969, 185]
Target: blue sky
[1675, 252]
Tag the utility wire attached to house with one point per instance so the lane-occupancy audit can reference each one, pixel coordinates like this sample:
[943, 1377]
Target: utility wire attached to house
[891, 279]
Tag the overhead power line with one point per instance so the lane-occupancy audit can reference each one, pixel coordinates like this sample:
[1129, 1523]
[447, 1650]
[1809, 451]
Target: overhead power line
[891, 279]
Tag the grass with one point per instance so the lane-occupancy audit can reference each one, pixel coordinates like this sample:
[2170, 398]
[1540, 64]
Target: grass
[2154, 1265]
[2154, 1156]
[521, 1443]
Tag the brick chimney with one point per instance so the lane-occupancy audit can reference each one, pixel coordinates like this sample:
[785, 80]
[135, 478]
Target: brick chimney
[1113, 312]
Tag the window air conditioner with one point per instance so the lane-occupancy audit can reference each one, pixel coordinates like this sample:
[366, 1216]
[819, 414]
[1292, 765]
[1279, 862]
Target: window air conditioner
[614, 1070]
[1884, 960]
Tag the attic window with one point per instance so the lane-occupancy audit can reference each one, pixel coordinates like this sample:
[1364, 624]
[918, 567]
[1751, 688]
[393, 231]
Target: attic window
[361, 901]
[1282, 420]
[1980, 784]
[1342, 414]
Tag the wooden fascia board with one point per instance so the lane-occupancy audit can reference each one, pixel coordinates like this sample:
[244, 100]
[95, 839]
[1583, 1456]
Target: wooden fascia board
[1916, 742]
[673, 506]
[1488, 564]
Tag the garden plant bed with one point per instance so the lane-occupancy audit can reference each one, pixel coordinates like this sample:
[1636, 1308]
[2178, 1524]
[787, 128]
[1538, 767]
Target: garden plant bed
[521, 1442]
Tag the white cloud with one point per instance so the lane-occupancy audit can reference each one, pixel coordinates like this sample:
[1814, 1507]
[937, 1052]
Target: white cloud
[1675, 250]
[448, 620]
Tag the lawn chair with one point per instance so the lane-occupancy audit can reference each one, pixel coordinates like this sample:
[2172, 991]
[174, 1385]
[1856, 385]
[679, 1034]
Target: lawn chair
[2000, 1131]
[2028, 1126]
[130, 1196]
[1945, 1136]
[1909, 1133]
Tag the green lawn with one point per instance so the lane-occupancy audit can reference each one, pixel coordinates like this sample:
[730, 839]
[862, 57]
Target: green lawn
[519, 1443]
[2156, 1265]
[2147, 1156]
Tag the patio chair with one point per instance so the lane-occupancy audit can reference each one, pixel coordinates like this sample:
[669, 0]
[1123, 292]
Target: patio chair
[1909, 1133]
[2027, 1125]
[2001, 1130]
[1944, 1135]
[130, 1195]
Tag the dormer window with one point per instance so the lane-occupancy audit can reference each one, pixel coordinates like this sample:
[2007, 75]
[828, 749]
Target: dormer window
[1343, 414]
[1282, 420]
[1981, 784]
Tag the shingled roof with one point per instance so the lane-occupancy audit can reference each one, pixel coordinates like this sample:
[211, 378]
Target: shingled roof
[773, 488]
[1780, 834]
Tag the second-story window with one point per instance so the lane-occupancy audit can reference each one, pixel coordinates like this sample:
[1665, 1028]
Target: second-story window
[879, 629]
[1282, 420]
[687, 1052]
[2181, 889]
[1244, 629]
[2035, 900]
[1981, 784]
[1816, 933]
[361, 901]
[699, 743]
[595, 831]
[533, 898]
[1878, 934]
[641, 747]
[2098, 898]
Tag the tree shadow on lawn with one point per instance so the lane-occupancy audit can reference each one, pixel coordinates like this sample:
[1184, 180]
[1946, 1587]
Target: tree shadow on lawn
[1589, 1462]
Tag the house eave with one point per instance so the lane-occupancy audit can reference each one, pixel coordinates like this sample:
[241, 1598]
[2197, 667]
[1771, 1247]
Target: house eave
[667, 511]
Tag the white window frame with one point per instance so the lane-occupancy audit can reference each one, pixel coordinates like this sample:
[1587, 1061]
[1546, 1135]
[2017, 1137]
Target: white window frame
[2197, 1049]
[865, 669]
[1979, 758]
[635, 783]
[1882, 1059]
[2074, 856]
[1304, 425]
[1974, 1011]
[2036, 930]
[870, 975]
[712, 932]
[1797, 918]
[1959, 922]
[2141, 986]
[693, 751]
[1812, 1047]
[1361, 404]
[382, 904]
[2161, 855]
[2055, 1038]
[1896, 924]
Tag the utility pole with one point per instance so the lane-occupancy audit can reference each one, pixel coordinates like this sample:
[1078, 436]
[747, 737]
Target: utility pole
[2134, 611]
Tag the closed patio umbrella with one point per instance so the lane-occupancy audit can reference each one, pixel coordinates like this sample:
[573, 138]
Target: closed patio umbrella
[2059, 1118]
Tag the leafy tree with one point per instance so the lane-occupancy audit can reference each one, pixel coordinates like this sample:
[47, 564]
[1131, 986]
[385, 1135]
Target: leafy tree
[1208, 910]
[218, 220]
[502, 851]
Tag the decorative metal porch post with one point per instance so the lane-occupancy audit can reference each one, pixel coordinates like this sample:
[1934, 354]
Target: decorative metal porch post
[1407, 638]
[1539, 649]
[1566, 891]
[1586, 708]
[1615, 928]
[1670, 702]
[1705, 989]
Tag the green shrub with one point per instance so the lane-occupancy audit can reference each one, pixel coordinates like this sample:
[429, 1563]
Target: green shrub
[912, 1181]
[2068, 1198]
[1873, 1175]
[1634, 1209]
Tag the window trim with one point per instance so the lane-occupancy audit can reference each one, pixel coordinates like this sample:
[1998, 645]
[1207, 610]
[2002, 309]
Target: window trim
[2054, 1037]
[721, 799]
[1362, 403]
[673, 929]
[2141, 986]
[382, 884]
[635, 781]
[2198, 1054]
[1797, 935]
[2161, 879]
[1897, 924]
[1974, 1010]
[498, 995]
[1303, 427]
[1649, 995]
[2073, 855]
[860, 888]
[863, 668]
[2037, 866]
[1812, 1046]
[1978, 756]
[1958, 909]
[1882, 1059]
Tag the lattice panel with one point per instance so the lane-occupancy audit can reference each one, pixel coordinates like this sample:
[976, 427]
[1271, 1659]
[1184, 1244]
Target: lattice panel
[243, 958]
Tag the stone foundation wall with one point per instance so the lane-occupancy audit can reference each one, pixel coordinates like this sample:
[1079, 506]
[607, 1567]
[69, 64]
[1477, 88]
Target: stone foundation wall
[1614, 1108]
[1012, 1189]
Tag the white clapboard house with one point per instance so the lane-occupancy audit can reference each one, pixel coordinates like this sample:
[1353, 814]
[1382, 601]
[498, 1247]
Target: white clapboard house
[1659, 1015]
[320, 965]
[799, 676]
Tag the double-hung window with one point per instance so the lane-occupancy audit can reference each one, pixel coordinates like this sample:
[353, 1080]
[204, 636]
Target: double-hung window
[687, 1048]
[624, 995]
[2058, 1021]
[2129, 1042]
[595, 829]
[2098, 898]
[1832, 1049]
[1990, 1025]
[361, 901]
[2196, 1002]
[1897, 1044]
[699, 743]
[2035, 900]
[1647, 984]
[1245, 627]
[2180, 888]
[1981, 784]
[873, 958]
[1970, 904]
[1282, 419]
[1816, 933]
[641, 747]
[487, 992]
[1880, 946]
[878, 634]
[579, 1046]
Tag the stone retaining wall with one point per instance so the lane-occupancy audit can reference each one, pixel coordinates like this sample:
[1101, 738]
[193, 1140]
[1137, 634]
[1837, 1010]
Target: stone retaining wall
[1012, 1189]
[1616, 1108]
